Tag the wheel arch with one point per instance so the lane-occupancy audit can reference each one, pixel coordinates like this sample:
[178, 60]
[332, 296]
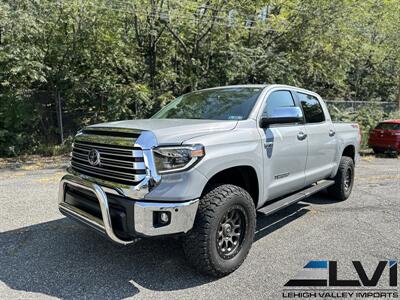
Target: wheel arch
[349, 151]
[244, 176]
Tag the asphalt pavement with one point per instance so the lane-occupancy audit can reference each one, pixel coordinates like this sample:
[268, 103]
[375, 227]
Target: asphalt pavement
[44, 255]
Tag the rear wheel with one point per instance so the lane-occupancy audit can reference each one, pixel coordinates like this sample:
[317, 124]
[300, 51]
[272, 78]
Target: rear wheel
[223, 231]
[344, 180]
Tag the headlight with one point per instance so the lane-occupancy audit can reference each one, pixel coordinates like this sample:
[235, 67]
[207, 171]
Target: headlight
[178, 158]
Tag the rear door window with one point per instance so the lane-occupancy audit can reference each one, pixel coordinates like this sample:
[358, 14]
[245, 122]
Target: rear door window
[312, 108]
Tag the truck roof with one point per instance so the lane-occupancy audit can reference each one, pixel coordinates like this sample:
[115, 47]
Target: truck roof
[258, 86]
[238, 86]
[284, 86]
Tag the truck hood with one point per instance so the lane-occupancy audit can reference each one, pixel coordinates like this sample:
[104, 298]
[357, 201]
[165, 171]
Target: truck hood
[173, 131]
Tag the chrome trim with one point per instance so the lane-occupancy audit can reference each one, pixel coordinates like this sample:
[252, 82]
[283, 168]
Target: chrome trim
[146, 141]
[182, 213]
[137, 164]
[79, 155]
[104, 224]
[134, 177]
[130, 165]
[104, 161]
[82, 216]
[135, 153]
[111, 129]
[123, 155]
[94, 179]
[79, 146]
[134, 166]
[94, 157]
[92, 138]
[182, 217]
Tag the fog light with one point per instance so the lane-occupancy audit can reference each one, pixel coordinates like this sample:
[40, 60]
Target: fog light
[164, 218]
[161, 218]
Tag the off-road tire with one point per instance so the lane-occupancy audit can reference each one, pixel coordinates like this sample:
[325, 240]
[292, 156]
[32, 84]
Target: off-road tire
[341, 190]
[201, 245]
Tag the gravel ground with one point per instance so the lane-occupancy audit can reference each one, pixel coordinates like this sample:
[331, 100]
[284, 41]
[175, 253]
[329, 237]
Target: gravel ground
[44, 255]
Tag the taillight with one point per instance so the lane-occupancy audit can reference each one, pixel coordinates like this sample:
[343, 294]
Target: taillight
[359, 132]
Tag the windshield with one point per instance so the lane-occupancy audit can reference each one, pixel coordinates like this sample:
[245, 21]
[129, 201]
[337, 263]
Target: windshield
[216, 104]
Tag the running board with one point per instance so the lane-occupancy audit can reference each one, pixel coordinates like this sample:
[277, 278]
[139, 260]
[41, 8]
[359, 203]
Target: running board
[280, 204]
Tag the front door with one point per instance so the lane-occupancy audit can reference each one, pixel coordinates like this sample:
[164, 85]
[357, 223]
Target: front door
[285, 152]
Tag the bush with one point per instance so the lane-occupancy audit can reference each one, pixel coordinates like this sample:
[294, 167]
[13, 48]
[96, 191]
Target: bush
[52, 150]
[367, 117]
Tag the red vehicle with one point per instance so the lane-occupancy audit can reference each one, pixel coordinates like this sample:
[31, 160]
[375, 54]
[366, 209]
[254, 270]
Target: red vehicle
[385, 137]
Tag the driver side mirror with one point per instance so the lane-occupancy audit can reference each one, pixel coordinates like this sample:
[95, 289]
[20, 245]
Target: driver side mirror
[282, 115]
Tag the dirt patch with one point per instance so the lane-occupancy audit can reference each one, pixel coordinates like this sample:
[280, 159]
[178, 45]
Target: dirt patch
[34, 162]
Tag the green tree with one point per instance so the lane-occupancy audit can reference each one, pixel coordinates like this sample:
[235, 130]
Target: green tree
[106, 60]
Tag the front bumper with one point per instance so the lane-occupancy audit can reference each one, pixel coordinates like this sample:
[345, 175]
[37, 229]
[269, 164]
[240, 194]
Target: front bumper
[121, 219]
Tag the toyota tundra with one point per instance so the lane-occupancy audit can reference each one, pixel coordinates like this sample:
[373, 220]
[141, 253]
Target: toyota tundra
[201, 167]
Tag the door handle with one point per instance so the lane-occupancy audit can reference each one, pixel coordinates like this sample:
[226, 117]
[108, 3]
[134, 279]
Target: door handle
[301, 136]
[331, 132]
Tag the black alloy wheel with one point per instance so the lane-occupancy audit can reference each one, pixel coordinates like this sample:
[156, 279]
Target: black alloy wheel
[230, 233]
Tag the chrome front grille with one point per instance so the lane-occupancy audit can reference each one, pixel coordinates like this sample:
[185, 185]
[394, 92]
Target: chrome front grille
[117, 163]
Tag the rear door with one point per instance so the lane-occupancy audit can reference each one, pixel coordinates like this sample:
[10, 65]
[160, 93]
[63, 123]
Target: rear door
[322, 144]
[285, 149]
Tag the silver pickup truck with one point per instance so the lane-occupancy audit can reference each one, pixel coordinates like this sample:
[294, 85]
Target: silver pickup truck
[204, 164]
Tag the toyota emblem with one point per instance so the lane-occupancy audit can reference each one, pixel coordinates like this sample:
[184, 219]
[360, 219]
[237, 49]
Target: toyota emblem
[94, 157]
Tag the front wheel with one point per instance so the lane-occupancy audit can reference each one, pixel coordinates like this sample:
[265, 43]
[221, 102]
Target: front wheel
[344, 180]
[223, 231]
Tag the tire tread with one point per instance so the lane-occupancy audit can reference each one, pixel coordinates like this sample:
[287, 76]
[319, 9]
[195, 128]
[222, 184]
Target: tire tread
[337, 190]
[195, 244]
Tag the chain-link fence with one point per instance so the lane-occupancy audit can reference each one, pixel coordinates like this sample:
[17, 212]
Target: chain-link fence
[343, 105]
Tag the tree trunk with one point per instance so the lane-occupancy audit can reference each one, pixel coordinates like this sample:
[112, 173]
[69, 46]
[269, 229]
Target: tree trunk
[398, 94]
[152, 63]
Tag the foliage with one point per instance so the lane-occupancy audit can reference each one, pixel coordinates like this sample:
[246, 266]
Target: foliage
[106, 60]
[367, 118]
[53, 150]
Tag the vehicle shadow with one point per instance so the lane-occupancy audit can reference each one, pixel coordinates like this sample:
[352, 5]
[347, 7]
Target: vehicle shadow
[62, 259]
[321, 197]
[267, 224]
